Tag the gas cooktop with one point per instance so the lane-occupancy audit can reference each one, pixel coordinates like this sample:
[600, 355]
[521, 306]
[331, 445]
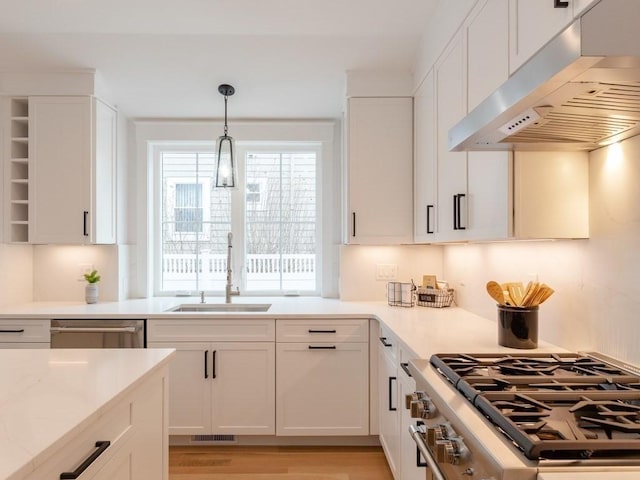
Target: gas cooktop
[552, 406]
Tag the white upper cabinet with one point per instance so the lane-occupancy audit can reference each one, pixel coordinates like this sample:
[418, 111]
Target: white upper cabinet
[489, 173]
[425, 162]
[451, 106]
[72, 170]
[379, 170]
[534, 22]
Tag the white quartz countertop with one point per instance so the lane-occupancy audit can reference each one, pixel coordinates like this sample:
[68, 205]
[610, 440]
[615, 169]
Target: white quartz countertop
[47, 396]
[423, 330]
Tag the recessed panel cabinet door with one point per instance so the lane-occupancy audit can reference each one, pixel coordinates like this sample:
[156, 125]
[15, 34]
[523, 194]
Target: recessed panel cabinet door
[243, 388]
[322, 389]
[189, 388]
[60, 155]
[380, 160]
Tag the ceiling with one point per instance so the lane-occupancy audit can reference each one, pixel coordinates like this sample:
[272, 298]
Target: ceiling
[165, 58]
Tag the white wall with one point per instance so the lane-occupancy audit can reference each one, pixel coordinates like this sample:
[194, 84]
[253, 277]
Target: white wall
[57, 275]
[358, 268]
[16, 274]
[597, 281]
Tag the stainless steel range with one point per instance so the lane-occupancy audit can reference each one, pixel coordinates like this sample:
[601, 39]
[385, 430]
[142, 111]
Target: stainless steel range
[527, 416]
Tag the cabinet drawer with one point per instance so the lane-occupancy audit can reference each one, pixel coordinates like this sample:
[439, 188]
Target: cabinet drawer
[323, 330]
[24, 330]
[115, 427]
[198, 330]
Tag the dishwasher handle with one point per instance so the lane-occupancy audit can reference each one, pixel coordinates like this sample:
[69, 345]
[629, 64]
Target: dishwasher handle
[431, 462]
[94, 329]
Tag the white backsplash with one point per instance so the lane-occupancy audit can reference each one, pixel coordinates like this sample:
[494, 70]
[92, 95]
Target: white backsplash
[358, 268]
[16, 274]
[57, 276]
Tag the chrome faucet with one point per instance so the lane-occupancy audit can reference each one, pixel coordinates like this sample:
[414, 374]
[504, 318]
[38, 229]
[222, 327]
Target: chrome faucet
[228, 291]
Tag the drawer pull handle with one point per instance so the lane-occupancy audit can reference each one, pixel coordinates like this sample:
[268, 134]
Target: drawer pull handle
[16, 330]
[384, 342]
[100, 448]
[322, 347]
[405, 367]
[322, 331]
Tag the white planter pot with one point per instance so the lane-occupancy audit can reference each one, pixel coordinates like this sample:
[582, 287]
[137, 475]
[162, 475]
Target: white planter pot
[91, 293]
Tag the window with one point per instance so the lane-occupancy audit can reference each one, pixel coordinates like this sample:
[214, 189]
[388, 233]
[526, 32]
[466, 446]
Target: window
[273, 217]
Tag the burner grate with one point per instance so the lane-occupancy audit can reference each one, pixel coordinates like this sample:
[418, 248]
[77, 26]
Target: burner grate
[552, 406]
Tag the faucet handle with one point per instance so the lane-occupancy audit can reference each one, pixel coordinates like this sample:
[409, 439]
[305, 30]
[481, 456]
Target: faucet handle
[202, 296]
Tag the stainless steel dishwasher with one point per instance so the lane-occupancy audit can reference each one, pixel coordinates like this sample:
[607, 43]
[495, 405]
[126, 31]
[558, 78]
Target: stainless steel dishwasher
[98, 333]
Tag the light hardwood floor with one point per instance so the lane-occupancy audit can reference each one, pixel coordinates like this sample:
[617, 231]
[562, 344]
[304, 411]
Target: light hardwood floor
[277, 463]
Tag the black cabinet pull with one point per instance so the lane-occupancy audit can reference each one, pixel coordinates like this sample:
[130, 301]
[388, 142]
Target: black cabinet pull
[429, 229]
[455, 212]
[322, 347]
[460, 197]
[213, 364]
[85, 230]
[405, 367]
[384, 342]
[353, 222]
[100, 448]
[391, 407]
[322, 331]
[560, 4]
[206, 364]
[17, 330]
[457, 224]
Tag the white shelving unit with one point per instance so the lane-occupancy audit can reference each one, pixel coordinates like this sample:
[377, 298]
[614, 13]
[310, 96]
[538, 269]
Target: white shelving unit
[17, 171]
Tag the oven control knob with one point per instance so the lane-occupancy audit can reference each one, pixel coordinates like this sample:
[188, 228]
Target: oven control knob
[423, 408]
[413, 397]
[452, 451]
[439, 432]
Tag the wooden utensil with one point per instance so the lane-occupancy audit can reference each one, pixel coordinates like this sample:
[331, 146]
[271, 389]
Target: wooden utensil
[516, 292]
[530, 294]
[495, 291]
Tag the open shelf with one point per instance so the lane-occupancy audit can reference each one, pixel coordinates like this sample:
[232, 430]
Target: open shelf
[17, 171]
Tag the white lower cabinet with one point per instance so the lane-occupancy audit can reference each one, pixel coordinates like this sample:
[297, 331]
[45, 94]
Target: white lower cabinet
[322, 378]
[126, 442]
[221, 387]
[412, 465]
[24, 333]
[389, 418]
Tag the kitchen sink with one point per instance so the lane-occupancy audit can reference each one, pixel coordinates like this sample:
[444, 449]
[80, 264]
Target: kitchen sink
[221, 307]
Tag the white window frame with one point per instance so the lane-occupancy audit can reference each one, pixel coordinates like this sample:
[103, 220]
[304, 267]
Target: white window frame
[237, 211]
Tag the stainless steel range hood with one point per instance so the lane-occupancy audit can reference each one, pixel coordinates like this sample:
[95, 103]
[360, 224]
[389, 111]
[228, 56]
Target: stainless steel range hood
[580, 92]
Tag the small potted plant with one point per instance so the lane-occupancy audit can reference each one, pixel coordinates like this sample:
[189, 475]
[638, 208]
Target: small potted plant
[91, 290]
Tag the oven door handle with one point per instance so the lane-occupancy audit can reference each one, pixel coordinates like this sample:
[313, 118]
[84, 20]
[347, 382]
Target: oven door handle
[94, 329]
[431, 462]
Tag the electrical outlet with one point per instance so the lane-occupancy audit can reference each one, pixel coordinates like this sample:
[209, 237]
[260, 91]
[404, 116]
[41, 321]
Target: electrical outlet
[84, 268]
[386, 271]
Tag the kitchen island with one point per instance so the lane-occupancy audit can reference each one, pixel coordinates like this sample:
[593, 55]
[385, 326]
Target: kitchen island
[60, 407]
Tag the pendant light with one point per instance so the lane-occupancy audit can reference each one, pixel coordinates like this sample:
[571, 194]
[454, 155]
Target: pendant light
[226, 176]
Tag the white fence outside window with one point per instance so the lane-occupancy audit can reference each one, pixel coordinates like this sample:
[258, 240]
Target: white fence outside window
[263, 272]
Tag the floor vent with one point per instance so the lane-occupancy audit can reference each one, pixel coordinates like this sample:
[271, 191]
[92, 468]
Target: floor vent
[214, 439]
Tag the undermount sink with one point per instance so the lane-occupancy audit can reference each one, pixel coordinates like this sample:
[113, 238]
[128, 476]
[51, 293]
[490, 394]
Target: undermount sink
[221, 307]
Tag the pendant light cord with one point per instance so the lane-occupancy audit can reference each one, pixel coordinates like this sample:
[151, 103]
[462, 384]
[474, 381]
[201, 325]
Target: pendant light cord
[225, 116]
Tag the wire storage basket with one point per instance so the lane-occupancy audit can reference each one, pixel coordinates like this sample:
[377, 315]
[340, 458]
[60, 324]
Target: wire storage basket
[434, 297]
[401, 294]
